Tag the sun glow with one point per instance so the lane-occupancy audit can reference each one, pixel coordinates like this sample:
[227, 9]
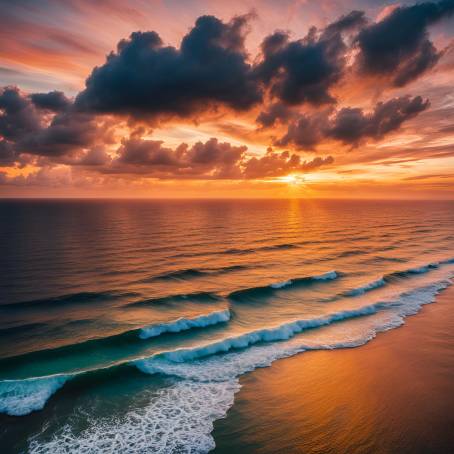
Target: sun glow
[291, 179]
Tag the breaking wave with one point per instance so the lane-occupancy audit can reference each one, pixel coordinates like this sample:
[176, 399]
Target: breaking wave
[270, 289]
[20, 397]
[183, 324]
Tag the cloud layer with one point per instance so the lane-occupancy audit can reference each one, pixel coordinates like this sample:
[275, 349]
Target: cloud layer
[297, 94]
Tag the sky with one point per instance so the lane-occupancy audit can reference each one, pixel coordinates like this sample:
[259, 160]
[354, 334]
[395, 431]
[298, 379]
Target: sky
[227, 99]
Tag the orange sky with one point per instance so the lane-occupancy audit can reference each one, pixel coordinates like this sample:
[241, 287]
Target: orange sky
[170, 119]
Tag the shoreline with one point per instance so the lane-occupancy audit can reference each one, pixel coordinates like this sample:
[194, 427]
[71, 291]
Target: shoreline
[352, 400]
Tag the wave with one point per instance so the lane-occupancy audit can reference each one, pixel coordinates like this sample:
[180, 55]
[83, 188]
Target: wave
[183, 324]
[352, 253]
[411, 271]
[279, 333]
[239, 251]
[191, 273]
[196, 297]
[72, 298]
[269, 290]
[20, 329]
[379, 258]
[365, 288]
[230, 358]
[387, 278]
[21, 397]
[114, 341]
[225, 359]
[272, 247]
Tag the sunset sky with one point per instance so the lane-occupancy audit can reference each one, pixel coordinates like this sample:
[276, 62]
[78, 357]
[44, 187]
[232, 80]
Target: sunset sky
[291, 98]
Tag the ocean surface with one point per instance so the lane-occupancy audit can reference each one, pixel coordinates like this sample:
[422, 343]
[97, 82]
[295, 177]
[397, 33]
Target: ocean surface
[125, 325]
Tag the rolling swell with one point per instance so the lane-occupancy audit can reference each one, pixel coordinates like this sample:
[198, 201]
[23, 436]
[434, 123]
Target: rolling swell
[365, 288]
[410, 272]
[216, 366]
[191, 273]
[72, 298]
[20, 397]
[266, 335]
[196, 297]
[124, 339]
[273, 247]
[268, 290]
[387, 278]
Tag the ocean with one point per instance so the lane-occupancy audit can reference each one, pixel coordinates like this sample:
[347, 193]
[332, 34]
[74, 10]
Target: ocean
[126, 325]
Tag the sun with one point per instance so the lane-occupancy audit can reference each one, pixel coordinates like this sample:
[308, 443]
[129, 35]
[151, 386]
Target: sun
[291, 179]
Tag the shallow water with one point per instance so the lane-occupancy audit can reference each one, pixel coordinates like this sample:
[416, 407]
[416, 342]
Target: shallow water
[126, 324]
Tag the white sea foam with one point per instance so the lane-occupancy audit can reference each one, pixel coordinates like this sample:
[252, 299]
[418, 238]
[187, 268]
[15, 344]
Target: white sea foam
[20, 397]
[178, 419]
[183, 324]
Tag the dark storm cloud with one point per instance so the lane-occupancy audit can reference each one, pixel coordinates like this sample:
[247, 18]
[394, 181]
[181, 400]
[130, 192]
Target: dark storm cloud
[55, 101]
[274, 113]
[42, 124]
[7, 154]
[66, 133]
[305, 70]
[144, 77]
[399, 46]
[351, 125]
[18, 116]
[306, 132]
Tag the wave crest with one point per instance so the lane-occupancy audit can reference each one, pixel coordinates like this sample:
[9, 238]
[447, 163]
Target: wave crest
[20, 397]
[183, 324]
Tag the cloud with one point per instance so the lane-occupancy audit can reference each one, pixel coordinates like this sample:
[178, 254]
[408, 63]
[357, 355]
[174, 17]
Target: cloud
[398, 46]
[55, 101]
[7, 154]
[351, 125]
[275, 112]
[44, 124]
[145, 78]
[18, 116]
[274, 164]
[67, 132]
[209, 160]
[305, 70]
[306, 132]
